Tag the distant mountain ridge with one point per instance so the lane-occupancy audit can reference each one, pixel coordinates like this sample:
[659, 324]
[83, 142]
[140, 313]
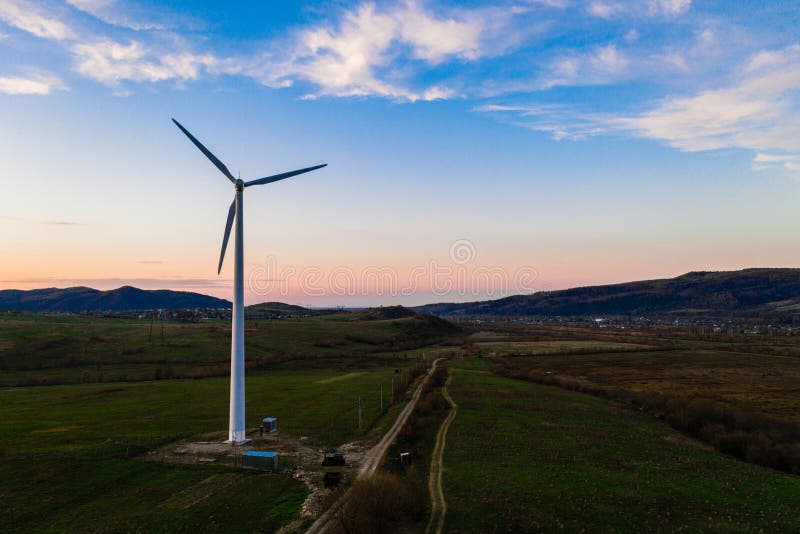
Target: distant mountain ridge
[759, 292]
[86, 299]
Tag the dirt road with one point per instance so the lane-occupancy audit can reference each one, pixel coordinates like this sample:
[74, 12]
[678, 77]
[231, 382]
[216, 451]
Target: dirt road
[373, 458]
[438, 502]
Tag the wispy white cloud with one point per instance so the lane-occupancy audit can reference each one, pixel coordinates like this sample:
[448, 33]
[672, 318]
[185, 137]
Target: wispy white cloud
[96, 8]
[30, 85]
[757, 111]
[603, 9]
[488, 108]
[110, 62]
[608, 9]
[342, 61]
[603, 64]
[559, 121]
[775, 158]
[790, 163]
[385, 50]
[128, 14]
[623, 59]
[61, 223]
[352, 57]
[32, 18]
[434, 39]
[668, 7]
[705, 52]
[412, 50]
[103, 58]
[356, 56]
[559, 4]
[793, 166]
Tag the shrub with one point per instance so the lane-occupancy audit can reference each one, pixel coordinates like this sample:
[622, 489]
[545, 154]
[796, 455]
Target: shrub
[379, 503]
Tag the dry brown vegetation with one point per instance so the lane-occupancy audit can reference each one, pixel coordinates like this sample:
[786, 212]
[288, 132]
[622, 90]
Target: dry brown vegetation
[734, 429]
[382, 502]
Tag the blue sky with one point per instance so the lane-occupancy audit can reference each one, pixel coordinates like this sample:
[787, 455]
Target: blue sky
[584, 141]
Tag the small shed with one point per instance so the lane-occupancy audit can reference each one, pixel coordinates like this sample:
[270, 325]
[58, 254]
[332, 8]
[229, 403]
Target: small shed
[270, 424]
[261, 460]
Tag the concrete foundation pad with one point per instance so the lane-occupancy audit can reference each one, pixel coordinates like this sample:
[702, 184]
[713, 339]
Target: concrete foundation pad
[237, 443]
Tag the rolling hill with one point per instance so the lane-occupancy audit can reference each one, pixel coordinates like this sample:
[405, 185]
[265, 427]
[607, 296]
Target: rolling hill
[382, 313]
[279, 310]
[80, 299]
[745, 293]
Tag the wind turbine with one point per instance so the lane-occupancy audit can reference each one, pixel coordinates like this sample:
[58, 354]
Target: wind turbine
[236, 427]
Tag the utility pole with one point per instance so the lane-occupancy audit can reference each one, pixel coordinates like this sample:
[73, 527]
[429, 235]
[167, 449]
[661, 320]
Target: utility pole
[381, 398]
[161, 323]
[360, 423]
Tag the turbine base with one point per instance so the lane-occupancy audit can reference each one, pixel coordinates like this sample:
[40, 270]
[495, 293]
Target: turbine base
[234, 442]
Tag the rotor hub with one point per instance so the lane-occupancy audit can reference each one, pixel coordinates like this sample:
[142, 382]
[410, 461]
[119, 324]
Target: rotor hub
[239, 184]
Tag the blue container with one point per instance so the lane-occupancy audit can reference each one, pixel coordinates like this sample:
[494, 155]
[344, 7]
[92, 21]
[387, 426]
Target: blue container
[261, 460]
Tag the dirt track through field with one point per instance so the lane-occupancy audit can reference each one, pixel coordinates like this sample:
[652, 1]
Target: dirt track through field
[438, 502]
[373, 458]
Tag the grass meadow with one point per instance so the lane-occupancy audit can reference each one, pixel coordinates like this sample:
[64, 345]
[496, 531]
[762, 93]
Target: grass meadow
[71, 349]
[82, 399]
[70, 453]
[523, 457]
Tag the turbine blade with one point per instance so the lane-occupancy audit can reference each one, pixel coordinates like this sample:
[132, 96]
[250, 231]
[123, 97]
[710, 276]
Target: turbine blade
[221, 166]
[276, 177]
[231, 213]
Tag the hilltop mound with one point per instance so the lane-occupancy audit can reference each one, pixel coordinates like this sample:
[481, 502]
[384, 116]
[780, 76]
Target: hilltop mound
[272, 310]
[277, 306]
[382, 313]
[417, 328]
[434, 325]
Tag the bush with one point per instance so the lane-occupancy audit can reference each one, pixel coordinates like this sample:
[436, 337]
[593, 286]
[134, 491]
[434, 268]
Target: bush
[380, 503]
[408, 434]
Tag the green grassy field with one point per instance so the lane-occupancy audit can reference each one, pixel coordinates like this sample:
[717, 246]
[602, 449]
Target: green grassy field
[63, 460]
[70, 493]
[63, 349]
[92, 395]
[523, 457]
[519, 456]
[320, 404]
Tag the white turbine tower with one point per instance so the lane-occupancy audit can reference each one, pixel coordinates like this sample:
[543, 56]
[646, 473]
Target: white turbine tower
[236, 427]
